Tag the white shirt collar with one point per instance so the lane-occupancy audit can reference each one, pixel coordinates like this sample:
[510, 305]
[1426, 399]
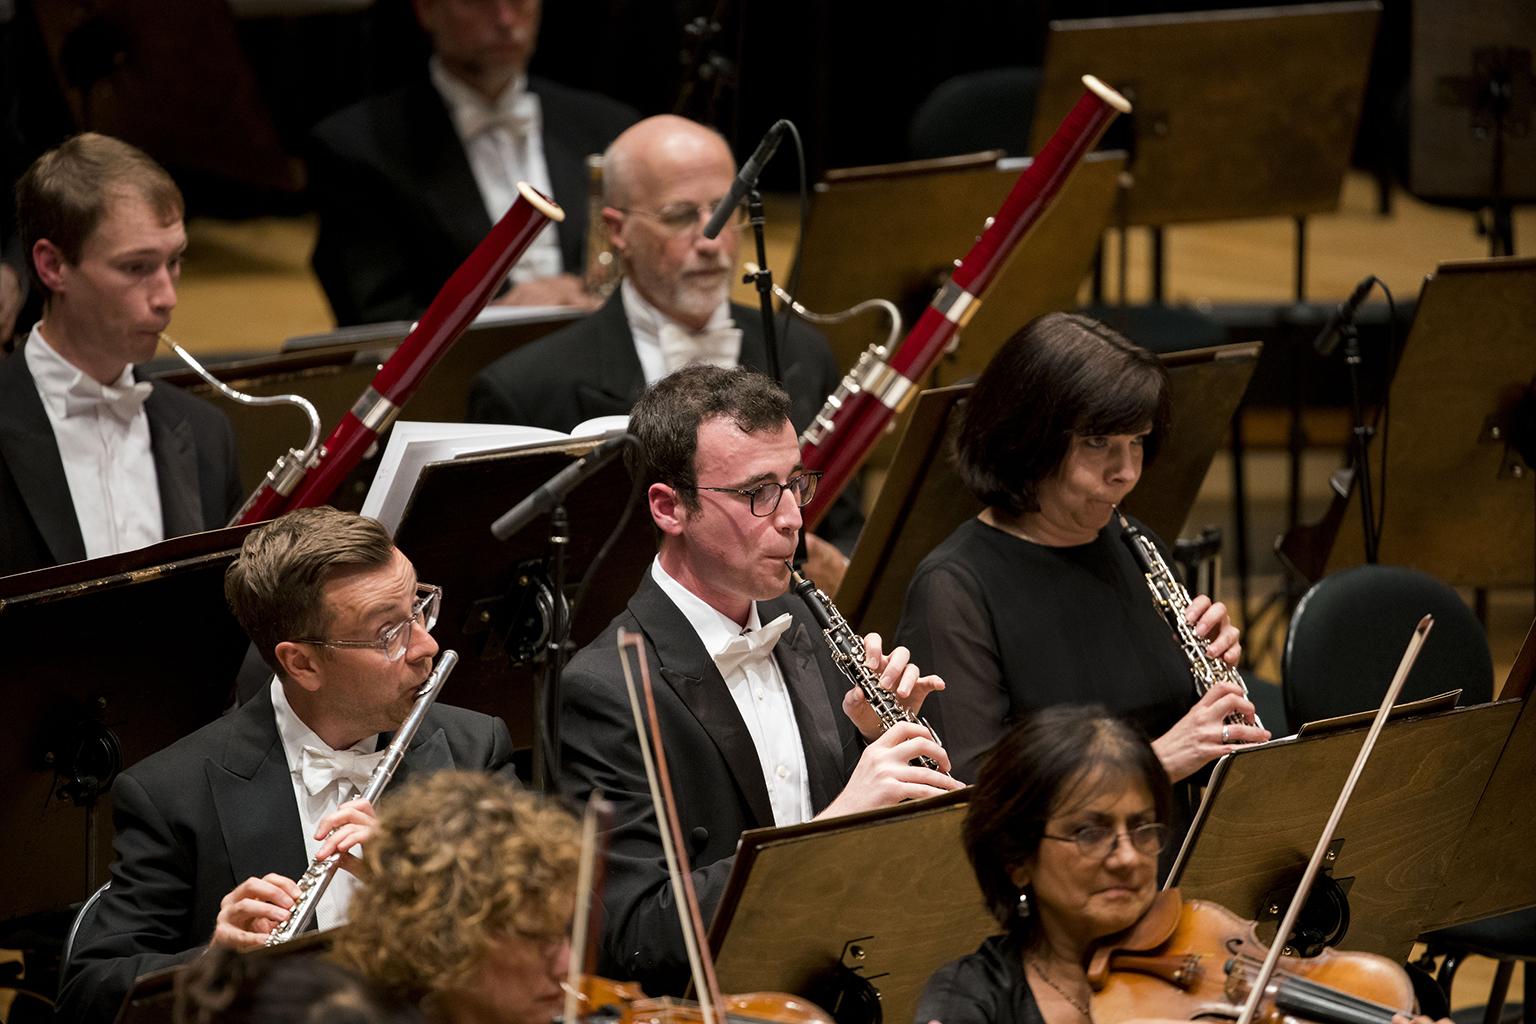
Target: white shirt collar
[714, 629]
[53, 375]
[296, 735]
[466, 106]
[645, 320]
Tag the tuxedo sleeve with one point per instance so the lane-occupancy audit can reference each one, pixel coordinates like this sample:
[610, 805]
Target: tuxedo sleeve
[142, 922]
[643, 939]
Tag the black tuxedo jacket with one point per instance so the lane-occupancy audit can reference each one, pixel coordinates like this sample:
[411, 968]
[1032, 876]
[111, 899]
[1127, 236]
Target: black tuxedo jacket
[590, 369]
[206, 813]
[716, 776]
[398, 206]
[194, 451]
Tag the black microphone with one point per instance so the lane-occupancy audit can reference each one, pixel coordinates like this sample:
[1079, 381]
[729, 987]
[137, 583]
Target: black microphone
[746, 179]
[553, 491]
[1328, 340]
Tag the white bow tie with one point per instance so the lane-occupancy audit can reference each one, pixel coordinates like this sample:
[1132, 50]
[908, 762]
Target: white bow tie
[751, 646]
[718, 346]
[320, 768]
[520, 119]
[87, 394]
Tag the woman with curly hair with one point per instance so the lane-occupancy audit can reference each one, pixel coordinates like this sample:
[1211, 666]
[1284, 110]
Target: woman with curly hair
[465, 905]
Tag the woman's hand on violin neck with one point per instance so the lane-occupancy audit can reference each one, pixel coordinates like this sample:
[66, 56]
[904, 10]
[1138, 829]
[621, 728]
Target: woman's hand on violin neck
[1204, 734]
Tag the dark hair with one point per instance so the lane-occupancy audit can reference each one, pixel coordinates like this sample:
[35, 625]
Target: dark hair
[275, 587]
[65, 193]
[1023, 780]
[668, 416]
[1061, 375]
[250, 988]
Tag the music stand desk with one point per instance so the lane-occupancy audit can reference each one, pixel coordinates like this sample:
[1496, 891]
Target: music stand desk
[107, 661]
[804, 899]
[490, 588]
[893, 233]
[1266, 805]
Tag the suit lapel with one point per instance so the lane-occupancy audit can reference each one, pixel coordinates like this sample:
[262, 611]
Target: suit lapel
[754, 351]
[31, 453]
[175, 453]
[427, 754]
[442, 168]
[688, 669]
[567, 180]
[617, 379]
[253, 796]
[814, 714]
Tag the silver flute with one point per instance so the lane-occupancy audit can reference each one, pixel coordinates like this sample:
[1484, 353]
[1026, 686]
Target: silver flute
[848, 655]
[1170, 597]
[315, 880]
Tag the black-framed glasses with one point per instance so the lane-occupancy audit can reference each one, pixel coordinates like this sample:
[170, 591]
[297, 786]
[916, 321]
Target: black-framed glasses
[396, 639]
[1098, 841]
[681, 217]
[764, 497]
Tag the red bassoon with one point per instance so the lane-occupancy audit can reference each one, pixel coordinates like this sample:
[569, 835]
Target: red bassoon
[855, 415]
[301, 479]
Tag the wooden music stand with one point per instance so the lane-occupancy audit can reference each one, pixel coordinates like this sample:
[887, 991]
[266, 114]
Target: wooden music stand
[922, 501]
[1221, 128]
[893, 232]
[333, 370]
[491, 590]
[799, 909]
[1494, 868]
[1266, 805]
[107, 661]
[1461, 501]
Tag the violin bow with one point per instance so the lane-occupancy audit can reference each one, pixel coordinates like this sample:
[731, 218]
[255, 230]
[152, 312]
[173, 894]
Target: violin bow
[586, 926]
[654, 754]
[1282, 934]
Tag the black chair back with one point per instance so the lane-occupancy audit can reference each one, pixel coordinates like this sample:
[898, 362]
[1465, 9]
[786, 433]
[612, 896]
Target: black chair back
[1348, 633]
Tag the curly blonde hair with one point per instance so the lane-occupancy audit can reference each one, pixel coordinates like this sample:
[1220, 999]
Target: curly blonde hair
[460, 860]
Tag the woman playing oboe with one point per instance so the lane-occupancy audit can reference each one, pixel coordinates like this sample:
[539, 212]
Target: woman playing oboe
[1037, 601]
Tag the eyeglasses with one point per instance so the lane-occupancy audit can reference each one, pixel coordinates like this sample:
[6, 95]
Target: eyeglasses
[396, 639]
[682, 217]
[764, 498]
[1098, 841]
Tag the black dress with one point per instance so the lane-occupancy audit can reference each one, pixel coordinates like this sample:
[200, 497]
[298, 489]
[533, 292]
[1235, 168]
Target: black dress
[986, 987]
[1014, 626]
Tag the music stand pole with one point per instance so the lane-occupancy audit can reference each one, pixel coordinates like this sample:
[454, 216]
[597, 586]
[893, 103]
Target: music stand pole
[546, 750]
[763, 279]
[1361, 434]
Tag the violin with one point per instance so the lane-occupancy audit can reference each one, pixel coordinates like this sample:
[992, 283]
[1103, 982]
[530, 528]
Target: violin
[1189, 959]
[603, 1001]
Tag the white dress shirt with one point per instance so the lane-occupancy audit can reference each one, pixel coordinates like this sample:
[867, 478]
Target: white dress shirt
[332, 908]
[664, 345]
[757, 686]
[504, 142]
[103, 436]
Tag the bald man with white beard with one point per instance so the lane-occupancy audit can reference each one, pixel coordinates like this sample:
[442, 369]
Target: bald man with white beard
[663, 177]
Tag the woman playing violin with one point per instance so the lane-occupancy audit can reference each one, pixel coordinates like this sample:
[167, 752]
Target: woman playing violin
[466, 901]
[1066, 820]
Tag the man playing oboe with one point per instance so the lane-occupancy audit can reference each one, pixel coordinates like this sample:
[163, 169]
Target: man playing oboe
[212, 831]
[760, 727]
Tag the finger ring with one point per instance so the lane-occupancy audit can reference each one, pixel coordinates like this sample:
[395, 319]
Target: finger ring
[1226, 734]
